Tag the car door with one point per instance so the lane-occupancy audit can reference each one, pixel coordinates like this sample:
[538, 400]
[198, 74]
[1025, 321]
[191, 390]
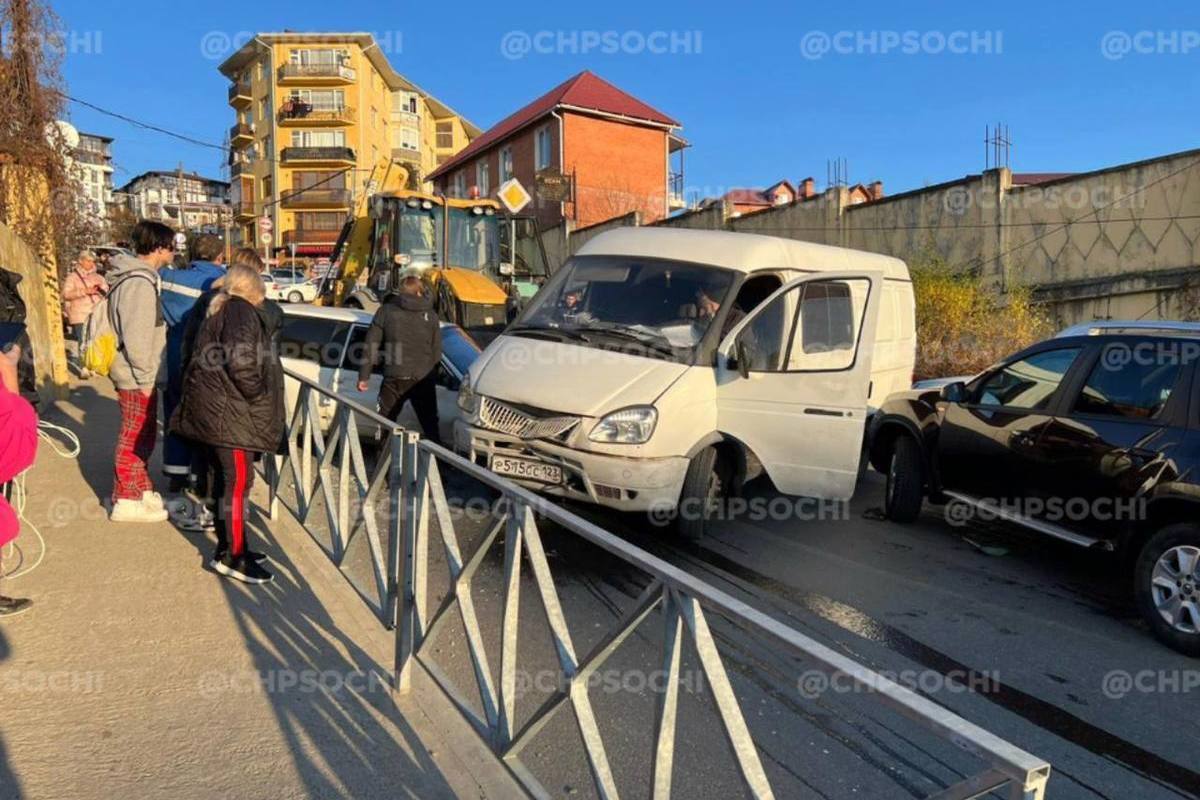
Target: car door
[356, 352]
[312, 347]
[989, 446]
[793, 379]
[1119, 434]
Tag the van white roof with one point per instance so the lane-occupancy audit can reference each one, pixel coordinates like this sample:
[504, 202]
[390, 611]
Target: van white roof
[744, 252]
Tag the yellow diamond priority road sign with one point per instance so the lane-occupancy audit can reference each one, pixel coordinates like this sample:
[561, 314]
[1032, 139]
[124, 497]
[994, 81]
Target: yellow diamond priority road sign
[513, 195]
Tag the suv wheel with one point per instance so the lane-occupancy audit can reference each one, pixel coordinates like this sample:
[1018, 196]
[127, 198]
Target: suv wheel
[707, 482]
[905, 481]
[295, 297]
[1167, 586]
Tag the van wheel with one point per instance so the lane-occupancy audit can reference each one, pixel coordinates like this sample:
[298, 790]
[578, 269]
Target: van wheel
[295, 297]
[706, 484]
[905, 482]
[1167, 586]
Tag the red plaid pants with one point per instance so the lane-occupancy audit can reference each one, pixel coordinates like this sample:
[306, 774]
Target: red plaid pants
[135, 443]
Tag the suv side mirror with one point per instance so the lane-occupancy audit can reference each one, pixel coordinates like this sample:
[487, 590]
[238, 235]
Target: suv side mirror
[954, 392]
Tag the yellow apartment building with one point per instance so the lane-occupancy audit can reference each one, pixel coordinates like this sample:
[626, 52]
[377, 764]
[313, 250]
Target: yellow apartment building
[317, 114]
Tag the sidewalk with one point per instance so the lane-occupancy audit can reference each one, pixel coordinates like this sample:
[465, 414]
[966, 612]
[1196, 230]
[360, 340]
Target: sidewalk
[139, 673]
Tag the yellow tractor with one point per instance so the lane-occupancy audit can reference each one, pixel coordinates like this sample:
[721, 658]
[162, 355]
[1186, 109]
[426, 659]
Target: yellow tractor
[480, 265]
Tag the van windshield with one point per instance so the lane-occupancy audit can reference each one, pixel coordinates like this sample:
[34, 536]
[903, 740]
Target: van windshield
[651, 307]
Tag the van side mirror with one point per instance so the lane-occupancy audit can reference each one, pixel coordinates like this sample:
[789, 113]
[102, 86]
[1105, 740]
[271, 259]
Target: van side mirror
[743, 359]
[954, 392]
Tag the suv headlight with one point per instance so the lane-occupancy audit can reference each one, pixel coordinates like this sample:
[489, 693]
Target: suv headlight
[468, 401]
[628, 426]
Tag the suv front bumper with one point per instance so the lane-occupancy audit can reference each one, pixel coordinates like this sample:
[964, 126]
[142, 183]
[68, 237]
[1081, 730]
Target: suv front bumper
[626, 484]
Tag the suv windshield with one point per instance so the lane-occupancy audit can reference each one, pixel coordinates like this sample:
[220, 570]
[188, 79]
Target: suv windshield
[653, 307]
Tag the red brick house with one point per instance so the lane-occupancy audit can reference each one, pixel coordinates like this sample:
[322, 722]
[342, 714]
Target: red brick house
[617, 148]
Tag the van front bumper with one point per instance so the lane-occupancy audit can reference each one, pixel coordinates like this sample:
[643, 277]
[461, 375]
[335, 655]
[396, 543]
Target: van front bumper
[626, 484]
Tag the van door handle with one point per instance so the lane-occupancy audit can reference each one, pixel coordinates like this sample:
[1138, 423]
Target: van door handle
[826, 412]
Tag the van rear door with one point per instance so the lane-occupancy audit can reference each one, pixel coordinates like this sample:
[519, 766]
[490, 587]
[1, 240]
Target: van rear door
[793, 379]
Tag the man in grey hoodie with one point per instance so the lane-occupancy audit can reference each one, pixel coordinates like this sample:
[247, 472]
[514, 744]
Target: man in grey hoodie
[135, 310]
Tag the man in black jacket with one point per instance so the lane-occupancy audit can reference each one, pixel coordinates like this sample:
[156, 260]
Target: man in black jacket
[407, 328]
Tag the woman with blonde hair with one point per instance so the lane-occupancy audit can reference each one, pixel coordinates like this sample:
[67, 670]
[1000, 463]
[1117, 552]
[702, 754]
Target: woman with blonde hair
[233, 404]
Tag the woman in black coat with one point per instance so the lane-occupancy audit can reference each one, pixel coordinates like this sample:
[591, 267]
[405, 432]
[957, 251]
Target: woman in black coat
[233, 404]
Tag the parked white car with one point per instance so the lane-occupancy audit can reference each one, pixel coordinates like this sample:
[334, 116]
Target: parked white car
[326, 345]
[290, 285]
[660, 366]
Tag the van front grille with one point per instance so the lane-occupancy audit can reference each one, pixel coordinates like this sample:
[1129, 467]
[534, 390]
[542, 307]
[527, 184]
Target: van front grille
[504, 418]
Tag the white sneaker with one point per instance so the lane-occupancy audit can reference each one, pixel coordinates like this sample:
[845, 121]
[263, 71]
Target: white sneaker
[126, 510]
[153, 500]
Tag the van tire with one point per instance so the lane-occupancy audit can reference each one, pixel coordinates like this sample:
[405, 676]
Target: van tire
[295, 297]
[904, 493]
[1184, 535]
[708, 478]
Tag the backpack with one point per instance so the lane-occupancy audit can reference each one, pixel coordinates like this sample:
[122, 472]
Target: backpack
[100, 342]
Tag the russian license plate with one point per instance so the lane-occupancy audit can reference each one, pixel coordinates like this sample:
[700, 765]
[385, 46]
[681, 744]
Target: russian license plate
[526, 469]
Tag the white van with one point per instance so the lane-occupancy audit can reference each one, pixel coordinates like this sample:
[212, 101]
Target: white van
[660, 366]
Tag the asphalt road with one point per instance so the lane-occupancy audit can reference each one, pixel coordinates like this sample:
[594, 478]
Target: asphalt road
[1043, 632]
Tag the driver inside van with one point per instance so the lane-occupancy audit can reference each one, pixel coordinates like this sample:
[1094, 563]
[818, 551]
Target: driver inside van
[707, 307]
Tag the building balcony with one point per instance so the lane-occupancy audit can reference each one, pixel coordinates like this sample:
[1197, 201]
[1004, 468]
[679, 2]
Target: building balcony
[243, 210]
[303, 114]
[319, 197]
[241, 135]
[239, 95]
[318, 74]
[237, 168]
[407, 156]
[317, 155]
[675, 198]
[303, 238]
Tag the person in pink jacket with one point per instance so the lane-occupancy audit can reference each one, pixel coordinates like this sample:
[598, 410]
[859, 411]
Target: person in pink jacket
[82, 289]
[18, 449]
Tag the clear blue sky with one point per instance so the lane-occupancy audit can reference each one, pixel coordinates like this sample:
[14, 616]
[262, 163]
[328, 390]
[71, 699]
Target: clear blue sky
[753, 106]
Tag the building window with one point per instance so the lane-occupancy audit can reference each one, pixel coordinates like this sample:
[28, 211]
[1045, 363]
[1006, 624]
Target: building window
[324, 57]
[264, 109]
[445, 135]
[482, 178]
[318, 138]
[333, 100]
[406, 139]
[541, 143]
[319, 221]
[404, 102]
[460, 184]
[506, 164]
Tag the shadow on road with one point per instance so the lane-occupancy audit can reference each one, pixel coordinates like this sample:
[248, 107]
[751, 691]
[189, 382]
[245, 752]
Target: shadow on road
[329, 696]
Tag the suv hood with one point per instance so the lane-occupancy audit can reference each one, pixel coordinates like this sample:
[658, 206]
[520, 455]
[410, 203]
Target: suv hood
[568, 378]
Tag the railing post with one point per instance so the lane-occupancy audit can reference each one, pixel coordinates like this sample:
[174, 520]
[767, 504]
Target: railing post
[404, 486]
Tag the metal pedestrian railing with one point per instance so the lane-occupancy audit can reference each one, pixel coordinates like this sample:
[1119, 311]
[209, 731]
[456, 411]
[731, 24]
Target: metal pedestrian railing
[409, 471]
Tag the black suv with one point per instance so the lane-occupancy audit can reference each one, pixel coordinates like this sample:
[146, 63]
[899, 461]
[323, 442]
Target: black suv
[1092, 437]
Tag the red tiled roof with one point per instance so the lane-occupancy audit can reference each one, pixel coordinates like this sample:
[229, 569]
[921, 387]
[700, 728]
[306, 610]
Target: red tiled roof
[747, 197]
[585, 90]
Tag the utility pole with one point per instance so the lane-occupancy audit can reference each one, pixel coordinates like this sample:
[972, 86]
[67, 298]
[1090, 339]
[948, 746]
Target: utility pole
[179, 193]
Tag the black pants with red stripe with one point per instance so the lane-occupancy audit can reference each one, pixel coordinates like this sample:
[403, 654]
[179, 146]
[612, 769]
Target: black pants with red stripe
[233, 475]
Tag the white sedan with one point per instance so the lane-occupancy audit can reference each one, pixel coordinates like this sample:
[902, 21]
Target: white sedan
[327, 345]
[292, 286]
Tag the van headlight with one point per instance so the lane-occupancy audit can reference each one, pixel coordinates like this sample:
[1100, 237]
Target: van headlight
[628, 426]
[468, 401]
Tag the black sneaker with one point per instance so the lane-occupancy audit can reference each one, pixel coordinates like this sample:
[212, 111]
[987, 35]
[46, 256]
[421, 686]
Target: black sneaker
[257, 558]
[242, 569]
[13, 605]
